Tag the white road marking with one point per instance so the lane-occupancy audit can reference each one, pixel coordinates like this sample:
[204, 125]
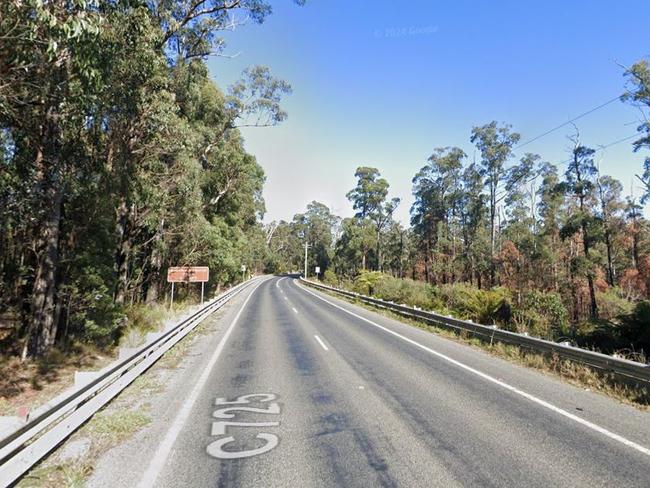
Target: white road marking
[294, 309]
[160, 457]
[321, 343]
[528, 396]
[286, 298]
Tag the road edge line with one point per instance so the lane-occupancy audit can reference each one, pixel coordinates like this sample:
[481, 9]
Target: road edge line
[485, 376]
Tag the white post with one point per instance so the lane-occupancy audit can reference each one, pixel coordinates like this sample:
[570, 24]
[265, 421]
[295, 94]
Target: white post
[171, 305]
[202, 289]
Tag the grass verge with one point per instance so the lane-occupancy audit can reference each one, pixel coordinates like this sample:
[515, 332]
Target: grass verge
[122, 418]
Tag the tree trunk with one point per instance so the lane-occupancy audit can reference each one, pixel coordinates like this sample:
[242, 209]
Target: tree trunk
[42, 329]
[155, 265]
[493, 231]
[593, 306]
[610, 264]
[123, 252]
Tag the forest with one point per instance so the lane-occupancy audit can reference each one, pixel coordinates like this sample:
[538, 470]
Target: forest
[553, 249]
[120, 157]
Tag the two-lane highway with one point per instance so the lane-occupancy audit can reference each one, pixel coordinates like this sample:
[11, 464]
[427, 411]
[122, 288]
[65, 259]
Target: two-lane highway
[303, 389]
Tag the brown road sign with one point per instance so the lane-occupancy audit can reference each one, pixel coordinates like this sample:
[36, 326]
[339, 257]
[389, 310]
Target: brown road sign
[188, 274]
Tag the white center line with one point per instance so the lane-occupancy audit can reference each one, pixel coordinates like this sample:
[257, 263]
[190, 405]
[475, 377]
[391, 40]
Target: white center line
[321, 343]
[160, 457]
[294, 309]
[517, 391]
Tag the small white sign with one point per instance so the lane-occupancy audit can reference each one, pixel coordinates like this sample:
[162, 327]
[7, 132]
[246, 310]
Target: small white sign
[317, 269]
[243, 268]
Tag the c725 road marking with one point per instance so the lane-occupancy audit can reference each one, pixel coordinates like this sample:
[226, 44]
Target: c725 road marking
[216, 448]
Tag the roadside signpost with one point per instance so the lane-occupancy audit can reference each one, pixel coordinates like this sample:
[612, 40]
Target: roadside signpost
[243, 271]
[317, 271]
[188, 274]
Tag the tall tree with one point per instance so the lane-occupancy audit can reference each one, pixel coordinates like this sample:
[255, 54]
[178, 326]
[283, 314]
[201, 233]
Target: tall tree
[495, 144]
[638, 94]
[579, 184]
[437, 192]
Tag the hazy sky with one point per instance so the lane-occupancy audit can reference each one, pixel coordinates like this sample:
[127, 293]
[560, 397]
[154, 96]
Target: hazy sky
[379, 84]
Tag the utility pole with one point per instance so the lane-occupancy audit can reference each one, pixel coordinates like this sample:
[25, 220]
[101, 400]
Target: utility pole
[306, 247]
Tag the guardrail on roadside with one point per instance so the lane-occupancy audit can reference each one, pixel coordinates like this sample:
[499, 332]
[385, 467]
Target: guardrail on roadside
[24, 447]
[629, 371]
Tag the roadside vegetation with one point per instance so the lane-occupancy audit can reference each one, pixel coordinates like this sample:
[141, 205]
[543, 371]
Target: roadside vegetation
[555, 249]
[121, 157]
[577, 374]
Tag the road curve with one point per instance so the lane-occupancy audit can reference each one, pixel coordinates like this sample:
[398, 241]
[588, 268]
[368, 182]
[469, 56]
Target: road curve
[299, 388]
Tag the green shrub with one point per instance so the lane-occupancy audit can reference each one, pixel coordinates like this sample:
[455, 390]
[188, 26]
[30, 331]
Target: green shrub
[330, 278]
[541, 314]
[612, 305]
[366, 282]
[413, 293]
[482, 306]
[634, 330]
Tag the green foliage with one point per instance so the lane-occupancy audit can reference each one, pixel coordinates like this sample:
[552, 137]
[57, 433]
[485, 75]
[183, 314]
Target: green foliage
[635, 328]
[541, 314]
[612, 304]
[121, 157]
[366, 282]
[330, 278]
[482, 306]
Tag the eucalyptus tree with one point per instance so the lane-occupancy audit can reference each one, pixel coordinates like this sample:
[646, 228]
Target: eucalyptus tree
[473, 214]
[551, 215]
[579, 185]
[315, 228]
[370, 199]
[438, 192]
[611, 205]
[49, 77]
[638, 94]
[496, 146]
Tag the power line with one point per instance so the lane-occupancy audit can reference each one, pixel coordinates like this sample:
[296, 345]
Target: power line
[530, 141]
[600, 148]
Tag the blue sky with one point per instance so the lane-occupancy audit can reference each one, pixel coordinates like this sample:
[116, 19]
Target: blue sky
[384, 83]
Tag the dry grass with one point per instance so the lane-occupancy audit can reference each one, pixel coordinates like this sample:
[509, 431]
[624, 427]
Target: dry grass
[106, 429]
[31, 383]
[122, 418]
[574, 373]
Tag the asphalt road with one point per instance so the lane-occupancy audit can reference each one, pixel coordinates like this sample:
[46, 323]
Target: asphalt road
[296, 388]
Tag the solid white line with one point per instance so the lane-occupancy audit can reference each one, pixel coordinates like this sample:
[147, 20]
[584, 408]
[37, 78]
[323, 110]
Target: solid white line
[528, 396]
[160, 457]
[294, 309]
[321, 343]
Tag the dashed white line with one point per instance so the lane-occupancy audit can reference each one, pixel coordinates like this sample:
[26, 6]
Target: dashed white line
[321, 343]
[160, 457]
[528, 396]
[294, 309]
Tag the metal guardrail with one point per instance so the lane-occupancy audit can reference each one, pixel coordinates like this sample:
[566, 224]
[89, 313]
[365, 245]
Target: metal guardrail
[629, 371]
[24, 447]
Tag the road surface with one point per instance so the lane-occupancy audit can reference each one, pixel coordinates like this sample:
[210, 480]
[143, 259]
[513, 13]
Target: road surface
[297, 388]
